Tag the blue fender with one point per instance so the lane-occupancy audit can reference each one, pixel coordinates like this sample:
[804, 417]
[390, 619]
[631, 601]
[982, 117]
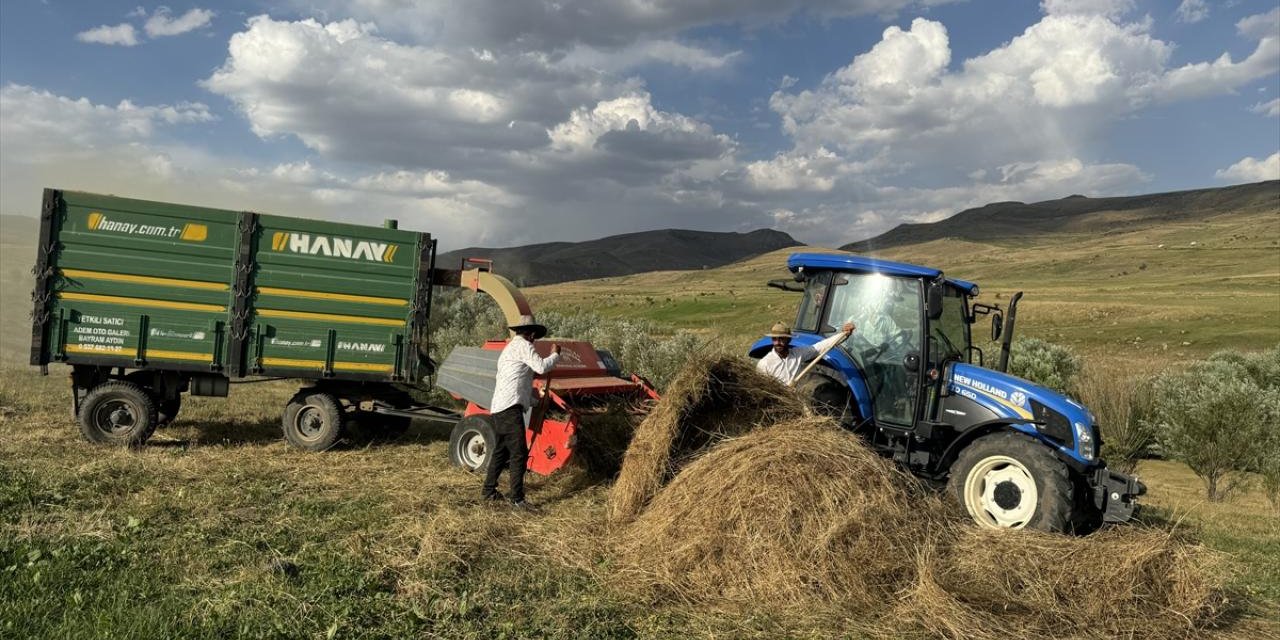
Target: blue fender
[836, 359]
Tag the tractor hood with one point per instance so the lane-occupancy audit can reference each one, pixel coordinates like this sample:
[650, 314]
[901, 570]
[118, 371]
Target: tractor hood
[1051, 416]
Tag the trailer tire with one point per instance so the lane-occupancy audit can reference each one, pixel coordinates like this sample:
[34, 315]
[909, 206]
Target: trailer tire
[1008, 480]
[117, 412]
[471, 442]
[312, 421]
[166, 410]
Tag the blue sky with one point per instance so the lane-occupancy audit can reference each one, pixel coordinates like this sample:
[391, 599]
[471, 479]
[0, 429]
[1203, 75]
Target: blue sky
[495, 123]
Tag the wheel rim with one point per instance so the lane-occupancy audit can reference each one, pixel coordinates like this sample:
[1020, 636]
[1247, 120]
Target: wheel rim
[115, 417]
[472, 450]
[310, 422]
[1000, 493]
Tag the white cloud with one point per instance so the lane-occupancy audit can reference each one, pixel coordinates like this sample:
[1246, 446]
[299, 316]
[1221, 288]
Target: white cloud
[1251, 169]
[1270, 109]
[669, 52]
[1106, 8]
[120, 34]
[162, 23]
[1192, 11]
[38, 122]
[388, 102]
[1260, 26]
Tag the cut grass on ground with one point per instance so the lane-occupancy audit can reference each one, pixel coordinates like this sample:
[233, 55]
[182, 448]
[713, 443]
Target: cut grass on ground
[216, 529]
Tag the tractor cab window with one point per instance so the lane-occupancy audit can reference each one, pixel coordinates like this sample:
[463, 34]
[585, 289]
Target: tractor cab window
[886, 314]
[815, 294]
[950, 333]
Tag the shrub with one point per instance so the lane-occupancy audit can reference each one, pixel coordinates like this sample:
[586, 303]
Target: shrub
[641, 347]
[1122, 404]
[1044, 363]
[1217, 420]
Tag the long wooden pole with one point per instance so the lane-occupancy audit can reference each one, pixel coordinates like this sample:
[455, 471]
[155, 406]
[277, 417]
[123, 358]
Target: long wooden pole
[816, 360]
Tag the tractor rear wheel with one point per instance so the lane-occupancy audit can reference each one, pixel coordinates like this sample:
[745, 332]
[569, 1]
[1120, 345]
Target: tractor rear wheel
[117, 412]
[1009, 481]
[472, 442]
[312, 421]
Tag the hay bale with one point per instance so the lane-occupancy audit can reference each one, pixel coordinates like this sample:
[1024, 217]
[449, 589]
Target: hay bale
[783, 516]
[707, 401]
[1132, 582]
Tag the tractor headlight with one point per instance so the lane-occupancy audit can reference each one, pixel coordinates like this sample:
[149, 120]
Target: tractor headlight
[1085, 444]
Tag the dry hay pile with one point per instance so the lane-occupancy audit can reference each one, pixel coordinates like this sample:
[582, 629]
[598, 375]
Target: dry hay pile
[799, 515]
[708, 401]
[788, 513]
[1129, 582]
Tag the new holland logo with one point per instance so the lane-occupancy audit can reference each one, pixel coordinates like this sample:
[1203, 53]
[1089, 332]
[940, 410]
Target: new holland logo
[308, 244]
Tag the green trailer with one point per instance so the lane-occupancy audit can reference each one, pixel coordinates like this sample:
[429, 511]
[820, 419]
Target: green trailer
[148, 300]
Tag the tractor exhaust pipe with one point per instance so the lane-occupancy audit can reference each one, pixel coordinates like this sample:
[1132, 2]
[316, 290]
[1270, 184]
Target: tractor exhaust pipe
[1006, 339]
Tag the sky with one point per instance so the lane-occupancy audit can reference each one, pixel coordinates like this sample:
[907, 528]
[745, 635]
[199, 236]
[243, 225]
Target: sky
[500, 123]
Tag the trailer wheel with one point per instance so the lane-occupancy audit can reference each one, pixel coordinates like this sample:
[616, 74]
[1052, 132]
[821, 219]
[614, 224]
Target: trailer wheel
[1009, 481]
[166, 410]
[471, 443]
[312, 421]
[117, 412]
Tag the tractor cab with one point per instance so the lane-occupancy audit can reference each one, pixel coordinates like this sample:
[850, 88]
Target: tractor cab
[910, 322]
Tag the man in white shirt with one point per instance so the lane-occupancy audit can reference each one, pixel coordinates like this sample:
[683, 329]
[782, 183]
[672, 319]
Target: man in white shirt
[512, 396]
[784, 361]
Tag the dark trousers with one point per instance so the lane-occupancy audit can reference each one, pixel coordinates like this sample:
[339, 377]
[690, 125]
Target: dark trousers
[509, 450]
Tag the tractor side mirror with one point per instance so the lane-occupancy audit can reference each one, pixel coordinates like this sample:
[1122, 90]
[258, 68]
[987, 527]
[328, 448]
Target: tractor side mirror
[786, 285]
[997, 326]
[933, 301]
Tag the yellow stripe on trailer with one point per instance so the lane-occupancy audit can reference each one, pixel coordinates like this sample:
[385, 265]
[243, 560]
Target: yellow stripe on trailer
[157, 354]
[125, 277]
[341, 297]
[143, 302]
[329, 317]
[319, 364]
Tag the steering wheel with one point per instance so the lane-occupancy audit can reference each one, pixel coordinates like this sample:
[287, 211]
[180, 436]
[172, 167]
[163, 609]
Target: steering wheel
[901, 338]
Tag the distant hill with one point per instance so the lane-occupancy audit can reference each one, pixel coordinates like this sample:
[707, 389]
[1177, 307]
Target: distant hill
[662, 250]
[1004, 221]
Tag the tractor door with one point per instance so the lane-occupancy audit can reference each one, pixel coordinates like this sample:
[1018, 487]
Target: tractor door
[887, 313]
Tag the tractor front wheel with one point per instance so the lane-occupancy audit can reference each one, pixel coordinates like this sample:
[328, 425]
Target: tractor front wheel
[471, 443]
[1009, 481]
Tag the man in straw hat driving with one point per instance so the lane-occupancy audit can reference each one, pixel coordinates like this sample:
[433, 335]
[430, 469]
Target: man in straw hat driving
[785, 361]
[512, 396]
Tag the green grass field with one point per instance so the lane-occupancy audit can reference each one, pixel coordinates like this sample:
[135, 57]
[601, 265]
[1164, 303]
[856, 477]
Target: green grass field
[217, 529]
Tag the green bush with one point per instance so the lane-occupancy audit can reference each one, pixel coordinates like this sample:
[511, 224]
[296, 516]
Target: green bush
[1122, 404]
[1044, 363]
[1218, 420]
[640, 346]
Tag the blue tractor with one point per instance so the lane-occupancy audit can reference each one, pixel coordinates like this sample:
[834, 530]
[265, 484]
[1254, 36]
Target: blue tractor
[912, 383]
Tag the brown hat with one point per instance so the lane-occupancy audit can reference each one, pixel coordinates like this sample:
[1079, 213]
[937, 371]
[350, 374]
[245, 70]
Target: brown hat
[527, 323]
[779, 330]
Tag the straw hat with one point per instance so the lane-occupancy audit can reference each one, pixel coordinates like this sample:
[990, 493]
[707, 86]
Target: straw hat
[527, 323]
[779, 330]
